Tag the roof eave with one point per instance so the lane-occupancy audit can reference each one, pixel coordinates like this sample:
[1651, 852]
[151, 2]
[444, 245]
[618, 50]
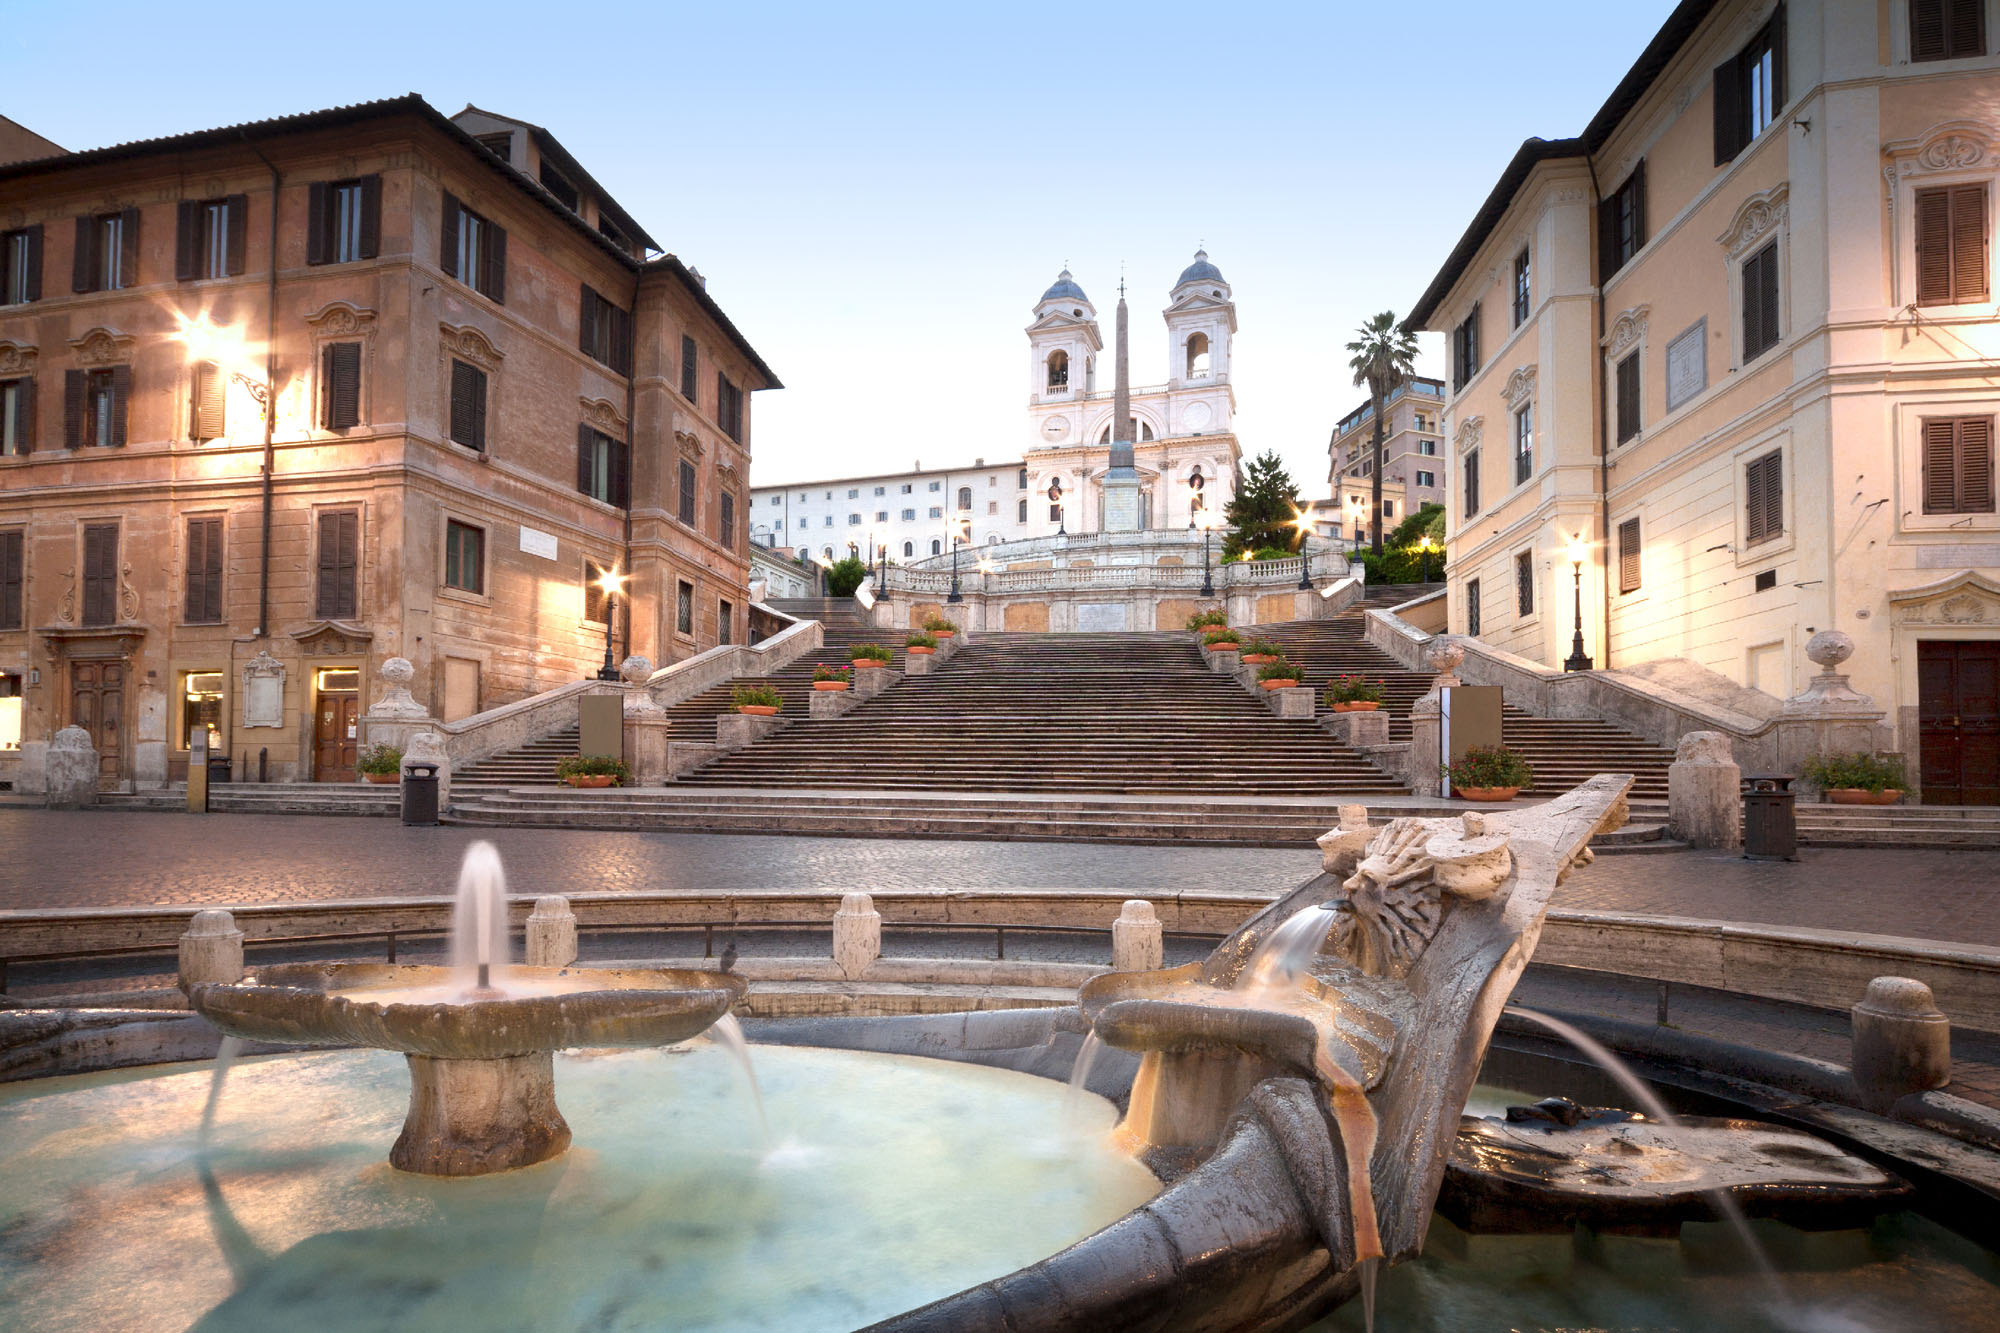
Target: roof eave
[671, 265]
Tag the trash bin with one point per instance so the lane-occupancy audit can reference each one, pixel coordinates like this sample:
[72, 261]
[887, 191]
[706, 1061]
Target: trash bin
[1770, 824]
[420, 793]
[218, 767]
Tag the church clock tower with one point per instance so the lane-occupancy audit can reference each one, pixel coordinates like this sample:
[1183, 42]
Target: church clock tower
[1063, 348]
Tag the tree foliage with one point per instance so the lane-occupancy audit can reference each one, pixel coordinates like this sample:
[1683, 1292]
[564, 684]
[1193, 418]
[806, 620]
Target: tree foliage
[1385, 355]
[843, 576]
[1265, 505]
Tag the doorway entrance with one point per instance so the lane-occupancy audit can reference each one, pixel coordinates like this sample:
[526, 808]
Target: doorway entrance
[337, 725]
[1958, 722]
[97, 704]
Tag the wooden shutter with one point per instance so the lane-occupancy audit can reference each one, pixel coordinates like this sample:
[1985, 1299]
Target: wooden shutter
[75, 387]
[121, 401]
[621, 474]
[1968, 244]
[1731, 116]
[586, 322]
[341, 371]
[1764, 498]
[128, 248]
[1628, 555]
[319, 222]
[1472, 340]
[621, 341]
[1975, 465]
[468, 405]
[83, 272]
[448, 237]
[371, 216]
[1934, 247]
[1472, 483]
[1628, 397]
[1939, 438]
[494, 281]
[687, 496]
[585, 451]
[32, 289]
[100, 574]
[688, 371]
[238, 206]
[1779, 82]
[24, 415]
[204, 570]
[13, 581]
[1927, 30]
[187, 239]
[209, 397]
[1965, 28]
[339, 565]
[1760, 302]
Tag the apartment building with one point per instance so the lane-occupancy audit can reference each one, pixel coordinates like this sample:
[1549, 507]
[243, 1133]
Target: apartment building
[282, 400]
[1413, 463]
[1729, 355]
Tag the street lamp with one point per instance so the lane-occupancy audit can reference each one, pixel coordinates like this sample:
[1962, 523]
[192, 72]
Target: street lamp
[610, 580]
[1578, 660]
[1426, 546]
[1304, 526]
[1207, 527]
[961, 529]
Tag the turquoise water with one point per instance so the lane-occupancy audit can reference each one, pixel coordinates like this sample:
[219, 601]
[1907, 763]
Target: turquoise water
[889, 1181]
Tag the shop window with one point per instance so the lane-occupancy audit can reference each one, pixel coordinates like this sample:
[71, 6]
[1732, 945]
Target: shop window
[201, 709]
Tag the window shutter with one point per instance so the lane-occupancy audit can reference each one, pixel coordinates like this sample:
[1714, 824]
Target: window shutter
[1975, 465]
[339, 565]
[325, 593]
[319, 218]
[128, 250]
[1472, 340]
[343, 385]
[1940, 465]
[479, 410]
[187, 238]
[1628, 555]
[210, 390]
[688, 372]
[1968, 244]
[13, 609]
[33, 290]
[1927, 30]
[194, 606]
[100, 574]
[1779, 83]
[1628, 397]
[468, 405]
[24, 415]
[1730, 119]
[371, 216]
[621, 341]
[584, 436]
[494, 283]
[586, 323]
[448, 237]
[1767, 295]
[74, 387]
[1753, 305]
[621, 474]
[239, 224]
[82, 271]
[1965, 28]
[1934, 248]
[121, 400]
[1637, 185]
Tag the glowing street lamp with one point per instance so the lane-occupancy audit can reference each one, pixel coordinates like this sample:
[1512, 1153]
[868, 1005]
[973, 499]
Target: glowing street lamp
[961, 530]
[1206, 521]
[1578, 660]
[611, 581]
[1303, 524]
[1426, 546]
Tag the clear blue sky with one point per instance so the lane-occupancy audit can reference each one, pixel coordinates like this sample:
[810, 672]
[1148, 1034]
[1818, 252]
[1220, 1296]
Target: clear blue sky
[879, 193]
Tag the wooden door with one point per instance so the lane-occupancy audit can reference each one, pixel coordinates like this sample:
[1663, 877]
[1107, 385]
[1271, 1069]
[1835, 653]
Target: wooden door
[1958, 722]
[97, 704]
[336, 727]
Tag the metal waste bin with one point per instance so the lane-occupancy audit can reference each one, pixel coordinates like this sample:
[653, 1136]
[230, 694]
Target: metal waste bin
[218, 767]
[420, 793]
[1770, 824]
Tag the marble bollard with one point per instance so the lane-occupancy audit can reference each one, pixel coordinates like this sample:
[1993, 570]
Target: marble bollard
[211, 950]
[1902, 1042]
[919, 664]
[857, 934]
[1704, 792]
[551, 932]
[1295, 704]
[1359, 730]
[1138, 941]
[72, 766]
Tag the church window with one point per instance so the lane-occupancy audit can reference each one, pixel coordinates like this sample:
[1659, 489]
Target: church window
[1197, 356]
[909, 549]
[937, 547]
[1058, 370]
[965, 497]
[1022, 515]
[1138, 431]
[1022, 484]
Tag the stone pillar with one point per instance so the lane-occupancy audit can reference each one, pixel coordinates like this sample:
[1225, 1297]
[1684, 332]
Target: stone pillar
[646, 726]
[426, 746]
[1902, 1043]
[1138, 942]
[918, 664]
[857, 934]
[1360, 730]
[1427, 755]
[1704, 792]
[733, 731]
[830, 703]
[551, 932]
[1224, 661]
[394, 715]
[871, 681]
[211, 950]
[1295, 704]
[73, 766]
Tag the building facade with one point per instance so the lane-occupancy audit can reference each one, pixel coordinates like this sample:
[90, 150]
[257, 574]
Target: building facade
[284, 400]
[1736, 341]
[1183, 436]
[1413, 464]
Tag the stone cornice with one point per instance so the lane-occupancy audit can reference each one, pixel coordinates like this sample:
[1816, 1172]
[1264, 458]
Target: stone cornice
[1755, 217]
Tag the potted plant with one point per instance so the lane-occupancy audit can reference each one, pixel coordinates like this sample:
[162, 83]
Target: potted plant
[756, 700]
[1857, 777]
[939, 627]
[832, 677]
[1353, 694]
[1220, 640]
[920, 645]
[380, 764]
[597, 770]
[1205, 620]
[1259, 651]
[1490, 773]
[870, 655]
[1278, 674]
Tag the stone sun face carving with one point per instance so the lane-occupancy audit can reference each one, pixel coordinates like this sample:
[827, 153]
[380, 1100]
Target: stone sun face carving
[1396, 895]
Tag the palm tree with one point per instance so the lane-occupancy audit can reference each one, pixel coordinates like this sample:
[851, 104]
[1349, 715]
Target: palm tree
[1385, 355]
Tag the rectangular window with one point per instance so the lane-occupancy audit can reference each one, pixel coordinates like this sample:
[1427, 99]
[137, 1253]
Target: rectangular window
[1388, 509]
[1524, 444]
[992, 506]
[1427, 479]
[1472, 608]
[1958, 465]
[1628, 555]
[937, 486]
[555, 184]
[1021, 515]
[604, 331]
[344, 220]
[1760, 302]
[854, 520]
[13, 580]
[473, 249]
[1522, 281]
[729, 408]
[936, 511]
[1055, 513]
[100, 574]
[464, 557]
[689, 368]
[881, 490]
[1021, 483]
[828, 522]
[1621, 224]
[107, 252]
[1628, 397]
[17, 417]
[596, 606]
[1764, 498]
[1465, 349]
[684, 608]
[908, 515]
[1524, 583]
[201, 708]
[1687, 365]
[907, 488]
[95, 407]
[10, 711]
[881, 516]
[1947, 29]
[209, 240]
[337, 592]
[687, 493]
[21, 256]
[468, 405]
[1952, 263]
[208, 400]
[603, 467]
[725, 526]
[340, 386]
[725, 622]
[1428, 448]
[1472, 483]
[202, 602]
[854, 492]
[1750, 90]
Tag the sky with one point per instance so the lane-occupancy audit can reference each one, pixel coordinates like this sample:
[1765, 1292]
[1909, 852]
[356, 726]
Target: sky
[879, 193]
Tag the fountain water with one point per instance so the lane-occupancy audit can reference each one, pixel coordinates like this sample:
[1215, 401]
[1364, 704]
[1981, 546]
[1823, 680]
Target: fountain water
[225, 1056]
[728, 1033]
[479, 921]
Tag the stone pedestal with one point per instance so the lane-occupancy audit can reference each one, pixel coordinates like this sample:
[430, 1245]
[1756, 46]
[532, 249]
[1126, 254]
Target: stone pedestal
[471, 1117]
[1224, 662]
[871, 681]
[1138, 942]
[211, 950]
[687, 756]
[395, 715]
[831, 703]
[733, 731]
[1829, 716]
[73, 767]
[1295, 704]
[1426, 747]
[857, 934]
[1359, 731]
[646, 748]
[551, 932]
[1902, 1043]
[918, 664]
[1704, 792]
[426, 746]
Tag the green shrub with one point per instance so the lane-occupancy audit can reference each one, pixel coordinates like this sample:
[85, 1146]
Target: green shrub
[1869, 772]
[380, 759]
[1215, 636]
[591, 766]
[1490, 766]
[1264, 647]
[921, 641]
[1279, 670]
[1353, 690]
[1212, 619]
[870, 652]
[756, 696]
[939, 625]
[844, 576]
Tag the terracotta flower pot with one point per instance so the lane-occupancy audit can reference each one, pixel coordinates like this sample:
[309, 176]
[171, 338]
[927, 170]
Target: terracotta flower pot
[1278, 684]
[943, 633]
[383, 779]
[1489, 793]
[1356, 706]
[592, 779]
[867, 664]
[1862, 796]
[1256, 659]
[1225, 647]
[920, 652]
[829, 684]
[758, 710]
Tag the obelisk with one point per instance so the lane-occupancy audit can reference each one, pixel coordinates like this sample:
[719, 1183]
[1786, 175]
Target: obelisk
[1121, 480]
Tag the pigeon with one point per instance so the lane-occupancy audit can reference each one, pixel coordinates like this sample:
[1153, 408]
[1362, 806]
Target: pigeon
[729, 956]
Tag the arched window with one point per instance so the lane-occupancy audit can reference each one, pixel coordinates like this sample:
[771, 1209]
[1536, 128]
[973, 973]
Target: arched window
[828, 551]
[1197, 356]
[992, 539]
[1058, 370]
[909, 549]
[965, 497]
[1140, 431]
[937, 547]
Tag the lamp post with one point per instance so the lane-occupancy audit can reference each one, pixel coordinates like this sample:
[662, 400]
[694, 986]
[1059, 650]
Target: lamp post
[1304, 526]
[610, 581]
[1578, 660]
[957, 526]
[1425, 547]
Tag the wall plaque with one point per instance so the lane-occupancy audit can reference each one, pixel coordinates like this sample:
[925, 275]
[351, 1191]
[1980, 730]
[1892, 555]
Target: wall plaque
[264, 692]
[536, 542]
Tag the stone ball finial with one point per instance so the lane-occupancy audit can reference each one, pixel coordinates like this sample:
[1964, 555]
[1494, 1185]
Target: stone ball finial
[1444, 655]
[1829, 648]
[398, 671]
[635, 669]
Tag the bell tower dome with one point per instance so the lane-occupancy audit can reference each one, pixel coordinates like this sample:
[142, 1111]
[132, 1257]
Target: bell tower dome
[1063, 348]
[1201, 319]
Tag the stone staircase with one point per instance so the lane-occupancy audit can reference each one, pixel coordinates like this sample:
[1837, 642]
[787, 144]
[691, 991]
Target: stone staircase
[270, 798]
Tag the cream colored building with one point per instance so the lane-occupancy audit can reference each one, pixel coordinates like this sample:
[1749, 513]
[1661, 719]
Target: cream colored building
[1739, 337]
[1413, 456]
